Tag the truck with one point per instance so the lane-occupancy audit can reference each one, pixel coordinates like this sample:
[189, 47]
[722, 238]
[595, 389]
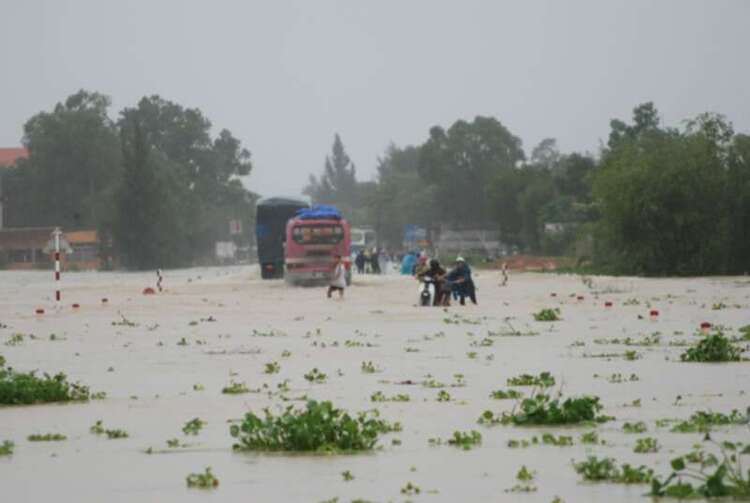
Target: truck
[313, 237]
[271, 217]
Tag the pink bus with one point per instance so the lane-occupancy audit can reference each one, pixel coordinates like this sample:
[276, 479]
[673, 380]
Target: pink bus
[313, 237]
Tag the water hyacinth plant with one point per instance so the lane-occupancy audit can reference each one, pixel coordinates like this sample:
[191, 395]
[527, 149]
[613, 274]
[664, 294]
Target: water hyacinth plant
[318, 427]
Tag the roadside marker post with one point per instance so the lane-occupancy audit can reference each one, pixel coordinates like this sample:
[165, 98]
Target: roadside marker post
[56, 234]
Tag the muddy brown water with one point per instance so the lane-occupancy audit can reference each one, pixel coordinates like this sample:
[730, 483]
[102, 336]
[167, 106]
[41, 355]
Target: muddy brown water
[149, 380]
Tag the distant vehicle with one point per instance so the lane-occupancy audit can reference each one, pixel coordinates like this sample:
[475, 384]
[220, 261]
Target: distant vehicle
[271, 217]
[313, 237]
[362, 238]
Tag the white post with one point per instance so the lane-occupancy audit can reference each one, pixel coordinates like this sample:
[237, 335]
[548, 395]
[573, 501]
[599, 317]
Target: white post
[56, 233]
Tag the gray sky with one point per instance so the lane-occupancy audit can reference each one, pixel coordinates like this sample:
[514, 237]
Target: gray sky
[284, 76]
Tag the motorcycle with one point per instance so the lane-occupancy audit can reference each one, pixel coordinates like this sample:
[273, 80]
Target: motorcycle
[427, 291]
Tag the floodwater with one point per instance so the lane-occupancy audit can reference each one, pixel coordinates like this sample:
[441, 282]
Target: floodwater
[151, 380]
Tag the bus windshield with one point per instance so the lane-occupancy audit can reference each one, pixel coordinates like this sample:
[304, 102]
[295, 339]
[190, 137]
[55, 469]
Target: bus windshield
[318, 234]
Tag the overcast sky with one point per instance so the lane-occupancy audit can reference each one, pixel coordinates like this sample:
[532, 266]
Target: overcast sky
[284, 76]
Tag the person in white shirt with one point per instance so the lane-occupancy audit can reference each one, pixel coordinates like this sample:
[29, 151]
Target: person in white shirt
[338, 278]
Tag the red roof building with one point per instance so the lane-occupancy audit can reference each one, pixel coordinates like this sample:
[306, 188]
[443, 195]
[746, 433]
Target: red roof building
[9, 156]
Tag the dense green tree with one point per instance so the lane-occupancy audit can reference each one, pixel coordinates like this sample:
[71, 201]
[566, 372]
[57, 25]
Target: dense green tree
[402, 198]
[462, 163]
[662, 198]
[147, 229]
[205, 172]
[73, 166]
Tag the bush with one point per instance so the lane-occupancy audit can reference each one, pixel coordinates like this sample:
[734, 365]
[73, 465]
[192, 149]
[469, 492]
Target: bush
[701, 421]
[18, 388]
[319, 427]
[541, 409]
[715, 347]
[544, 379]
[727, 480]
[547, 315]
[606, 470]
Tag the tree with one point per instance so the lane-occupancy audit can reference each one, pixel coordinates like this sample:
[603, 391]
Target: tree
[73, 166]
[147, 229]
[546, 154]
[204, 171]
[738, 197]
[462, 162]
[338, 183]
[401, 198]
[662, 198]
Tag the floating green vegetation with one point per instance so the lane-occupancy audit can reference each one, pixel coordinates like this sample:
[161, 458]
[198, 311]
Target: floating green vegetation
[547, 315]
[443, 396]
[702, 421]
[591, 438]
[606, 470]
[368, 368]
[272, 368]
[646, 445]
[482, 343]
[745, 332]
[270, 333]
[715, 347]
[347, 476]
[46, 437]
[465, 439]
[525, 479]
[547, 439]
[540, 409]
[719, 306]
[648, 340]
[458, 319]
[510, 394]
[716, 478]
[6, 448]
[545, 379]
[379, 396]
[99, 429]
[19, 388]
[205, 480]
[632, 355]
[235, 388]
[510, 331]
[357, 344]
[319, 427]
[458, 382]
[316, 376]
[619, 378]
[637, 427]
[124, 322]
[193, 427]
[14, 340]
[410, 489]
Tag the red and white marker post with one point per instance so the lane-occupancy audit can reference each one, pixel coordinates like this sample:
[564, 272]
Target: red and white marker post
[56, 234]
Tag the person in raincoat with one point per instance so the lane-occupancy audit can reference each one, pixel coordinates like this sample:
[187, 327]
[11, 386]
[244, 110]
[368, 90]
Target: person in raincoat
[338, 278]
[461, 283]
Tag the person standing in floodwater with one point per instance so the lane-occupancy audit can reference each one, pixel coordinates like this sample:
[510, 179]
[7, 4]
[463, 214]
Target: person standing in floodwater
[504, 271]
[338, 278]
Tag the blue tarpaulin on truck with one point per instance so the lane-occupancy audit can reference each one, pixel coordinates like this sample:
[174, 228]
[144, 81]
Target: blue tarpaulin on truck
[319, 212]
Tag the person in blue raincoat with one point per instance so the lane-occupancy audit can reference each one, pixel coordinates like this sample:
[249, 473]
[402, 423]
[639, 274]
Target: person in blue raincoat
[408, 263]
[461, 283]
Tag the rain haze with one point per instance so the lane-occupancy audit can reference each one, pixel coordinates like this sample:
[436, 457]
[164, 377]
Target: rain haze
[285, 76]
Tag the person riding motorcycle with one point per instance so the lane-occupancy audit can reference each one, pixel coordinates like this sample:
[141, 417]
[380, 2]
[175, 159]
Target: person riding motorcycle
[437, 273]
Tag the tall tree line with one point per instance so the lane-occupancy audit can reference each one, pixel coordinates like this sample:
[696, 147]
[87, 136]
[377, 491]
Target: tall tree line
[654, 200]
[154, 181]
